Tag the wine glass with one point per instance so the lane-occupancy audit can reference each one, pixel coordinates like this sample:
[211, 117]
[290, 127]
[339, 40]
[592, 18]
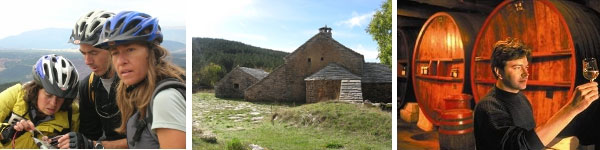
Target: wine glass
[590, 69]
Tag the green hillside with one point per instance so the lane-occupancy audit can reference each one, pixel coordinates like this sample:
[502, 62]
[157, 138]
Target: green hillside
[213, 58]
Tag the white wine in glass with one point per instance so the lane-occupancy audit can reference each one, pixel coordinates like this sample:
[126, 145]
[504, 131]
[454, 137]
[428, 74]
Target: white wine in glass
[590, 69]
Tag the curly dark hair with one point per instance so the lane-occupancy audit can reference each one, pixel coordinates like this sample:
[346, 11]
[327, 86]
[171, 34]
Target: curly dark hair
[507, 50]
[31, 96]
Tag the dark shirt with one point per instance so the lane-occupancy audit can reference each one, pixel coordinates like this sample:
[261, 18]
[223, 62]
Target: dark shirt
[99, 117]
[504, 120]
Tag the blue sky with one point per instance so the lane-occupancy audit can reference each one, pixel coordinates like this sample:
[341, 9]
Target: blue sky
[285, 25]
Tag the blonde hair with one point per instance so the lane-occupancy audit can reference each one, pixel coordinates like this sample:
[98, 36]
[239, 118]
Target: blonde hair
[139, 98]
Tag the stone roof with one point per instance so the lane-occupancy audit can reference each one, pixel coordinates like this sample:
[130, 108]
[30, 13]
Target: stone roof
[332, 71]
[376, 73]
[322, 35]
[256, 73]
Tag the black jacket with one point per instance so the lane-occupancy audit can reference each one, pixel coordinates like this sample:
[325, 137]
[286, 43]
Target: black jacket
[101, 115]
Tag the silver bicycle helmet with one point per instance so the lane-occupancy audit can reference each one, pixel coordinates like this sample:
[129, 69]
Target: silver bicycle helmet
[88, 27]
[57, 75]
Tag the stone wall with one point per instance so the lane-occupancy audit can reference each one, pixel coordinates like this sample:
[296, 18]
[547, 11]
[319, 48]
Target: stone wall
[377, 92]
[351, 90]
[225, 88]
[314, 55]
[322, 90]
[271, 88]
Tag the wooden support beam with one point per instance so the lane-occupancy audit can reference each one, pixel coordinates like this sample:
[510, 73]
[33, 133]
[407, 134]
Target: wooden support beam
[415, 12]
[485, 6]
[404, 21]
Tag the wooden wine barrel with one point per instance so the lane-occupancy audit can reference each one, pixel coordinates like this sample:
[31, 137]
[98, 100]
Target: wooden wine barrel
[460, 101]
[406, 44]
[441, 58]
[456, 130]
[560, 34]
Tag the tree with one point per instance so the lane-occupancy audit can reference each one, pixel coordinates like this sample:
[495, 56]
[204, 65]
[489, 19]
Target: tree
[209, 75]
[380, 28]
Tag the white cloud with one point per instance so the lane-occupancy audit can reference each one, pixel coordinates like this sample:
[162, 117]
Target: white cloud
[207, 18]
[370, 54]
[357, 20]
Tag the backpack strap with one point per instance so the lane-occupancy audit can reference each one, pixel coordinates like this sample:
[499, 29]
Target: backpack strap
[91, 92]
[146, 123]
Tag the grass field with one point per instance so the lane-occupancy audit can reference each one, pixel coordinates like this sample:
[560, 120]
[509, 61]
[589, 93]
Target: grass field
[237, 124]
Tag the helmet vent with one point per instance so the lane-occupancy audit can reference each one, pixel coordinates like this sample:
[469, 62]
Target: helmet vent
[95, 24]
[132, 24]
[105, 16]
[107, 25]
[45, 70]
[82, 26]
[55, 74]
[147, 30]
[64, 78]
[120, 22]
[89, 14]
[64, 64]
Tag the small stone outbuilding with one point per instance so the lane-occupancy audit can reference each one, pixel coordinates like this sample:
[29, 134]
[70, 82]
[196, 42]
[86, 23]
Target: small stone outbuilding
[235, 82]
[333, 82]
[377, 83]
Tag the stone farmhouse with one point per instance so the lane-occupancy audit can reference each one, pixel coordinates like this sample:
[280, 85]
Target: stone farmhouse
[320, 69]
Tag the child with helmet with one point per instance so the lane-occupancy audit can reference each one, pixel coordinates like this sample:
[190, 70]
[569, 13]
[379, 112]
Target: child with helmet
[44, 105]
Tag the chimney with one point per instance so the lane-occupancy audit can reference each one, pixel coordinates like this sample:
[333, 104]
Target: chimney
[325, 30]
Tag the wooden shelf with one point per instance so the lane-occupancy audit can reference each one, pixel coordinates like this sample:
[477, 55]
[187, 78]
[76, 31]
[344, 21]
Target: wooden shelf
[561, 84]
[438, 78]
[537, 55]
[441, 60]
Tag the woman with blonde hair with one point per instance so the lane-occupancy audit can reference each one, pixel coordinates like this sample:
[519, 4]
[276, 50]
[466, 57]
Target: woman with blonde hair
[147, 80]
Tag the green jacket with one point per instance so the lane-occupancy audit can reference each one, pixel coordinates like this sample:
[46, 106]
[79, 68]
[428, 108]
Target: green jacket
[12, 100]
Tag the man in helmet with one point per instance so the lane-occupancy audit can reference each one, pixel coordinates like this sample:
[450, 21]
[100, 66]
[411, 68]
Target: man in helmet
[99, 112]
[44, 105]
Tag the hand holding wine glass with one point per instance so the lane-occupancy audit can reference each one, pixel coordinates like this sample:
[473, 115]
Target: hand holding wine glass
[590, 69]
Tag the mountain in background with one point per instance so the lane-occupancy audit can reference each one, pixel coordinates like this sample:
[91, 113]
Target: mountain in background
[57, 38]
[213, 58]
[50, 38]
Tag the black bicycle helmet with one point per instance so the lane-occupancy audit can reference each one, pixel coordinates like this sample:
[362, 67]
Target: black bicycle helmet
[87, 29]
[57, 75]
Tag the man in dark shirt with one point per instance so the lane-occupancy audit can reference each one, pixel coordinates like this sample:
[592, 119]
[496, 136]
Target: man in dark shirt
[99, 112]
[504, 118]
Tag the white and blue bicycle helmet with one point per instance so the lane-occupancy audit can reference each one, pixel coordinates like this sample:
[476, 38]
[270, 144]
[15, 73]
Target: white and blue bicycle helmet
[57, 75]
